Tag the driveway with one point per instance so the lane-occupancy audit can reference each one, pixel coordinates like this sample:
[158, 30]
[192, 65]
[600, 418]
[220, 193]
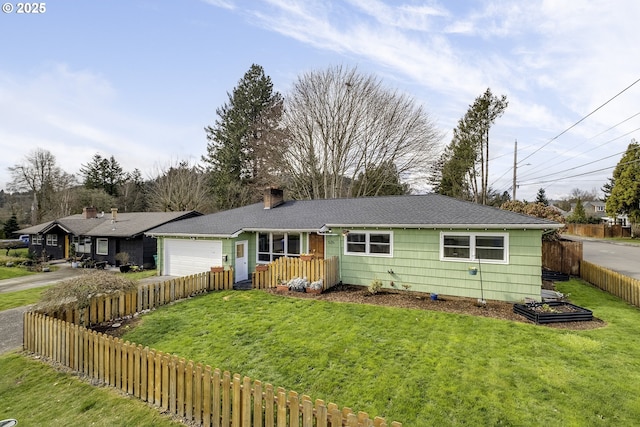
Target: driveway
[63, 272]
[11, 320]
[617, 256]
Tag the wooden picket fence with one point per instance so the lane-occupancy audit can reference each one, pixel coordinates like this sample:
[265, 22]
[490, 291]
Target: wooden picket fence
[197, 393]
[105, 308]
[617, 284]
[288, 268]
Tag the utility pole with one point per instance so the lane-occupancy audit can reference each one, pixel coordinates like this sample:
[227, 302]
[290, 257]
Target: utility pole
[515, 166]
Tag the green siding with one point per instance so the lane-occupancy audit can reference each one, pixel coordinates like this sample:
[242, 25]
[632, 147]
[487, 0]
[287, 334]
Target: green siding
[416, 263]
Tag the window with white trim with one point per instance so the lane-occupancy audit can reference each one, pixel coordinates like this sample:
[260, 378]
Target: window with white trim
[36, 239]
[374, 243]
[461, 246]
[272, 246]
[52, 240]
[102, 246]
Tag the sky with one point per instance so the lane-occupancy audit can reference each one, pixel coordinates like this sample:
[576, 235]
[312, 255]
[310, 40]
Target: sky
[140, 79]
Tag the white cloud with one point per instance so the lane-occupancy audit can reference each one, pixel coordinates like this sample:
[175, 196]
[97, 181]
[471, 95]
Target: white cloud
[76, 114]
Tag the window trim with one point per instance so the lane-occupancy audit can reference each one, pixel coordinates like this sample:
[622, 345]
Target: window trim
[472, 246]
[367, 243]
[99, 241]
[285, 252]
[36, 239]
[51, 239]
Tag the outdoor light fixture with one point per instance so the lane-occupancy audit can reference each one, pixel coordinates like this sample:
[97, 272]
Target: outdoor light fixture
[324, 230]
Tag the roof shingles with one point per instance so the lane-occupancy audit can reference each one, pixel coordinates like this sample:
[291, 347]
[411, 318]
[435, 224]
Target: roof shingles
[430, 210]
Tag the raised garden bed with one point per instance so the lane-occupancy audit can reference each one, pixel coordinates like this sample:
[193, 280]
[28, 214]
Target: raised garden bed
[553, 311]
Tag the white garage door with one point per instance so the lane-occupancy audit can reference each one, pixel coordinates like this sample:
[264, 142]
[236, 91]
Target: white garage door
[183, 257]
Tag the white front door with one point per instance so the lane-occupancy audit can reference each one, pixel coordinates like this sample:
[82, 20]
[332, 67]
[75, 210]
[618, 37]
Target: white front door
[242, 264]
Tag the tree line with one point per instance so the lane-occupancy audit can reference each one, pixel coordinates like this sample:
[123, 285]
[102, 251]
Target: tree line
[336, 133]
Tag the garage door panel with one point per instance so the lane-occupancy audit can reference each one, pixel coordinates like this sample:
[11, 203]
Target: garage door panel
[184, 257]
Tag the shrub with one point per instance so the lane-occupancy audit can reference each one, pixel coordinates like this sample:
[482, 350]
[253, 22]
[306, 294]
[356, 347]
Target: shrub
[123, 257]
[79, 290]
[375, 286]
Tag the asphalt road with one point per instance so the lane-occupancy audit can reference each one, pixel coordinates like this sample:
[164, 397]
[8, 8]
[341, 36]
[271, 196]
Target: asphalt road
[11, 320]
[621, 257]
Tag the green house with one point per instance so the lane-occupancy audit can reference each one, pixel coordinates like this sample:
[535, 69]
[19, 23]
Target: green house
[426, 243]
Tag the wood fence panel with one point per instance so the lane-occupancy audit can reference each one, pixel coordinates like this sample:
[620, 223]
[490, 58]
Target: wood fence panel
[236, 401]
[285, 269]
[196, 393]
[281, 412]
[226, 398]
[563, 256]
[245, 406]
[294, 409]
[258, 410]
[206, 397]
[624, 287]
[188, 390]
[165, 381]
[216, 410]
[180, 389]
[269, 406]
[157, 380]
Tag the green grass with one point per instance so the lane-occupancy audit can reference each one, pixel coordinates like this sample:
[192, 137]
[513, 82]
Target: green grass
[15, 256]
[13, 272]
[418, 367]
[36, 395]
[140, 274]
[20, 298]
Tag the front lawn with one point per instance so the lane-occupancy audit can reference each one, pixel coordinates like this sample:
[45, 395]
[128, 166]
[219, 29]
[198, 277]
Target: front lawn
[413, 366]
[36, 395]
[21, 298]
[15, 256]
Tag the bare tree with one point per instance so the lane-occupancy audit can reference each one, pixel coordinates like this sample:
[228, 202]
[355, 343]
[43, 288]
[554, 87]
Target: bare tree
[179, 187]
[342, 125]
[40, 175]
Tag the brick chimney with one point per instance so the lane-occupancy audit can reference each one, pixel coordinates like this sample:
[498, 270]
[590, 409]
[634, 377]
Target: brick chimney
[114, 214]
[273, 197]
[89, 212]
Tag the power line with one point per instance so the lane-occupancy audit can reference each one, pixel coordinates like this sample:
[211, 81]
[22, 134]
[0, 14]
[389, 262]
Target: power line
[583, 174]
[585, 152]
[581, 120]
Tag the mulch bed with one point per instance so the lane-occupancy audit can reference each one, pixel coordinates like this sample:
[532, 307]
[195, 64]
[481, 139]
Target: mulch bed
[403, 299]
[450, 304]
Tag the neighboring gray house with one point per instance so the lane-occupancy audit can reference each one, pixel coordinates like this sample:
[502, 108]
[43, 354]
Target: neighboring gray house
[426, 242]
[101, 236]
[597, 209]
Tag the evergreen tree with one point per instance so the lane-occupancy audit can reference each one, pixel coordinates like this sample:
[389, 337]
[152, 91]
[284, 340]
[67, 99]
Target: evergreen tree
[235, 139]
[578, 216]
[103, 173]
[625, 194]
[465, 169]
[608, 188]
[11, 226]
[541, 197]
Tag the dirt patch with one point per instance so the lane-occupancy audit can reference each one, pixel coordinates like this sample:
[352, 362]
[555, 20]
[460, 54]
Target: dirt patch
[450, 304]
